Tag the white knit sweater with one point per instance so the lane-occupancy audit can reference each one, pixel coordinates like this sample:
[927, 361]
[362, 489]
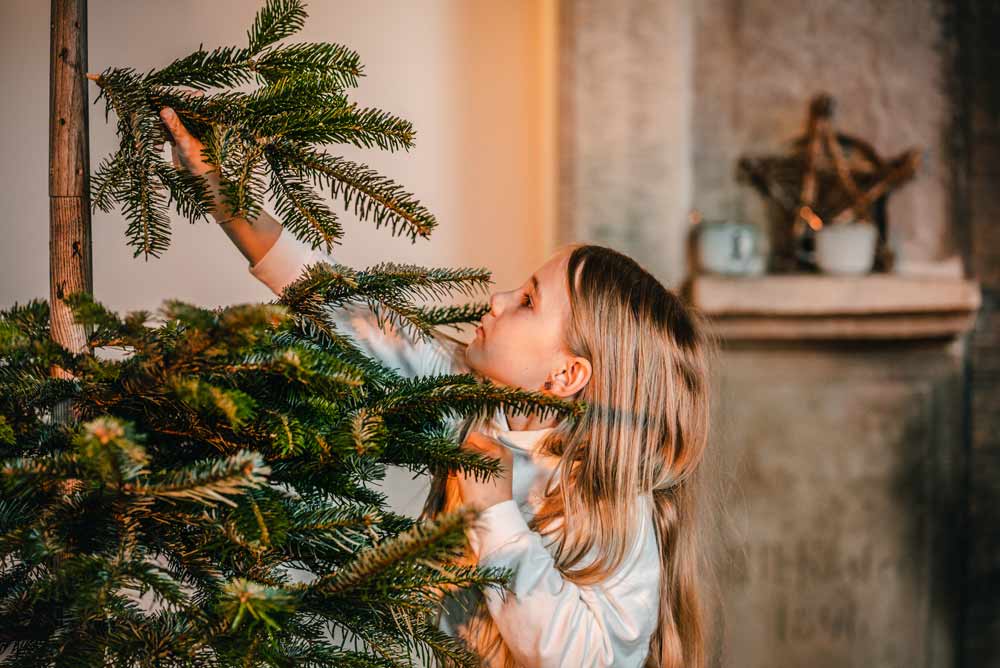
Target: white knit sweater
[549, 620]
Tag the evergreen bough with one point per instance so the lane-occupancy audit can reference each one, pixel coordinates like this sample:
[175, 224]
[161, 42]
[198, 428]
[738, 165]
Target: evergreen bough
[266, 142]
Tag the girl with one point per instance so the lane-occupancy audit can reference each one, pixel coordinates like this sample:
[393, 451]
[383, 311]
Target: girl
[616, 583]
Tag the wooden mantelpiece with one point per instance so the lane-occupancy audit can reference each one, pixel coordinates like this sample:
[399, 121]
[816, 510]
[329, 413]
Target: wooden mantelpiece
[819, 306]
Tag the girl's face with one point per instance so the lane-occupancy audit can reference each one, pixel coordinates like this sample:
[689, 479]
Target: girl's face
[519, 342]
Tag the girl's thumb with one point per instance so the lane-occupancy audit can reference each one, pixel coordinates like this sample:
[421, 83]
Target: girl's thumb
[170, 120]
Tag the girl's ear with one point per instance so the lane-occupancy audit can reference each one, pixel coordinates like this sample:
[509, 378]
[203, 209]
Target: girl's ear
[572, 378]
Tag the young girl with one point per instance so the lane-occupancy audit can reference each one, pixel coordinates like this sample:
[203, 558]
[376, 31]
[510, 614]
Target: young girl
[616, 581]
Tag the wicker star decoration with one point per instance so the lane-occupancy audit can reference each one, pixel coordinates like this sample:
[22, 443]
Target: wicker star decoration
[828, 178]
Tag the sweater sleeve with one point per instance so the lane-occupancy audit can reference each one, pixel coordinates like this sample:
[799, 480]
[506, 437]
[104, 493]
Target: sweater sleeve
[547, 620]
[391, 345]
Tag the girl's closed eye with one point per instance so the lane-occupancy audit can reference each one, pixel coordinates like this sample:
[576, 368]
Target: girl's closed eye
[526, 300]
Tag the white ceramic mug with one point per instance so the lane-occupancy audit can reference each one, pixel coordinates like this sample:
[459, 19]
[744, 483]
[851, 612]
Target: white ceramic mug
[729, 248]
[846, 248]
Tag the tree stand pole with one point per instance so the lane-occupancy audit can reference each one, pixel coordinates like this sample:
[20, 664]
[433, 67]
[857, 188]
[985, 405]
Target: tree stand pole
[70, 258]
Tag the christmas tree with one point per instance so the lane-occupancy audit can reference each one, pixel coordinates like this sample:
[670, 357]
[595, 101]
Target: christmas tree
[211, 501]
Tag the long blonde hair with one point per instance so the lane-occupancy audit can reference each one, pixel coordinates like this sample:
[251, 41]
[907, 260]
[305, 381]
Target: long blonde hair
[644, 433]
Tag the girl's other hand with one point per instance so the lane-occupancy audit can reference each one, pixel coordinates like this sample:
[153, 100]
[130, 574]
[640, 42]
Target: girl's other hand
[482, 494]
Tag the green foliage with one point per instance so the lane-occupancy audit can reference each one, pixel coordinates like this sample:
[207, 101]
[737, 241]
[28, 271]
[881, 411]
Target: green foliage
[265, 141]
[212, 501]
[220, 453]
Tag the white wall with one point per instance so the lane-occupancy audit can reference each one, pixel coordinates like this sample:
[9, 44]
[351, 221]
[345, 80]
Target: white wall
[473, 76]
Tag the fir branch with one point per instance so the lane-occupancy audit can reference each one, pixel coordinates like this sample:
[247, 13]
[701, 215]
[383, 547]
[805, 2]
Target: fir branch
[233, 405]
[201, 114]
[331, 60]
[447, 649]
[191, 193]
[452, 316]
[433, 283]
[387, 288]
[325, 531]
[301, 91]
[23, 323]
[108, 182]
[108, 447]
[303, 213]
[244, 601]
[435, 450]
[433, 540]
[208, 482]
[374, 195]
[201, 70]
[275, 21]
[90, 313]
[364, 128]
[287, 434]
[338, 285]
[298, 364]
[466, 395]
[301, 102]
[241, 179]
[313, 324]
[368, 433]
[148, 230]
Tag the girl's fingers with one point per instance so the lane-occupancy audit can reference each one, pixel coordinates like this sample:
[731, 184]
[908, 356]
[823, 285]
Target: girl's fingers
[479, 442]
[173, 123]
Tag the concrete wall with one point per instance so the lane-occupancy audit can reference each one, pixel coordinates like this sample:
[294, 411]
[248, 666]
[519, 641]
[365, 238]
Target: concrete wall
[840, 465]
[840, 504]
[759, 62]
[625, 101]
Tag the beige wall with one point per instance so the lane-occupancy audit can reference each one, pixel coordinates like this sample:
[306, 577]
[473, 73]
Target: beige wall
[473, 76]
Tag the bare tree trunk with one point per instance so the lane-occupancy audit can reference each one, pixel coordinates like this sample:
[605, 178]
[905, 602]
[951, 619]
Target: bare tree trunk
[70, 260]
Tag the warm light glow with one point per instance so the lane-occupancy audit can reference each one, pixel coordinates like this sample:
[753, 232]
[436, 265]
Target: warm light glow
[808, 215]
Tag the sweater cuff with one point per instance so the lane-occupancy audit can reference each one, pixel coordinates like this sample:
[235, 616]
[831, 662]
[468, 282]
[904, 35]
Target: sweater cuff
[282, 263]
[496, 526]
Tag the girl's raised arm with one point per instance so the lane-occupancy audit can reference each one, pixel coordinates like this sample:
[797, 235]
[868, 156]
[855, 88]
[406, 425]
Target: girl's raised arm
[277, 258]
[284, 262]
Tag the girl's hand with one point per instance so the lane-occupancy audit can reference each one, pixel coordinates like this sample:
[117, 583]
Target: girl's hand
[186, 153]
[482, 494]
[185, 148]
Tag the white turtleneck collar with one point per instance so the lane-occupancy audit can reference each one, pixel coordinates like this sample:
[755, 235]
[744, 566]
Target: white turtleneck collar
[521, 439]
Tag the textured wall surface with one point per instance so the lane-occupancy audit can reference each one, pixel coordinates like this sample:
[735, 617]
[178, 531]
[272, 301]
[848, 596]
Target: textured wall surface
[842, 488]
[758, 63]
[624, 137]
[842, 465]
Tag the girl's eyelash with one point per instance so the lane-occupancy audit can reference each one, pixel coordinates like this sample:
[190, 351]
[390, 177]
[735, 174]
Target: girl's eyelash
[526, 297]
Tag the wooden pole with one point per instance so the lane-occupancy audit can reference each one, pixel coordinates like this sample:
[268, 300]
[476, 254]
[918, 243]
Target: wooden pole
[70, 260]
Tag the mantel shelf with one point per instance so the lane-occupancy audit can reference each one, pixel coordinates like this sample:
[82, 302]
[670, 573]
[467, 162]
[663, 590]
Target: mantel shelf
[819, 306]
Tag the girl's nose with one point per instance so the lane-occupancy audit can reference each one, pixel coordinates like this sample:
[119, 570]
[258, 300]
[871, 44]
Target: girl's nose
[497, 303]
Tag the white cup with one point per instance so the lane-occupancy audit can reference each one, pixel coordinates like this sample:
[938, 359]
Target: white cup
[729, 248]
[846, 248]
